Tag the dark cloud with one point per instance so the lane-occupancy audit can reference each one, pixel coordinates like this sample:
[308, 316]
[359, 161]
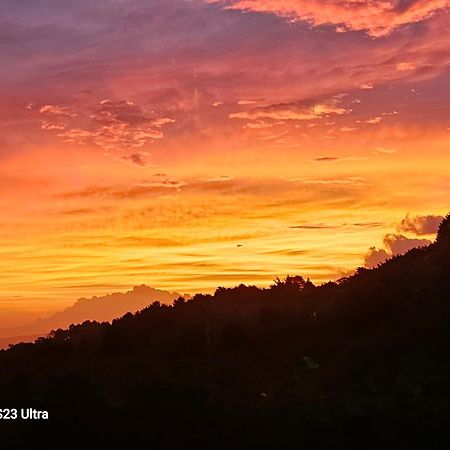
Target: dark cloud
[320, 226]
[368, 224]
[326, 159]
[323, 226]
[167, 182]
[79, 211]
[136, 158]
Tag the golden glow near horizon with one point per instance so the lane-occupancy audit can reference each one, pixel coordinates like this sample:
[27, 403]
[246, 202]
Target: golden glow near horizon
[277, 140]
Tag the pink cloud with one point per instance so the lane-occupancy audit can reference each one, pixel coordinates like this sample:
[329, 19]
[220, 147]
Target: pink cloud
[57, 110]
[375, 256]
[374, 120]
[398, 244]
[394, 244]
[111, 125]
[293, 111]
[375, 17]
[420, 225]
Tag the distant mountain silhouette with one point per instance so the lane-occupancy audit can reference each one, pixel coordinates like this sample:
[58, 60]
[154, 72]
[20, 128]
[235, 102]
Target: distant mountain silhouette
[107, 307]
[101, 309]
[363, 363]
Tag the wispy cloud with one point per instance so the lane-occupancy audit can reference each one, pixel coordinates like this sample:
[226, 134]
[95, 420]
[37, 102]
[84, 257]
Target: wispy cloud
[247, 102]
[327, 159]
[319, 226]
[111, 125]
[374, 120]
[335, 159]
[303, 110]
[220, 179]
[138, 159]
[346, 181]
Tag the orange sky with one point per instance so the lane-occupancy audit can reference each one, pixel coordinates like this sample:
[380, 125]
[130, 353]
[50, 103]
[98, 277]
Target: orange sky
[190, 144]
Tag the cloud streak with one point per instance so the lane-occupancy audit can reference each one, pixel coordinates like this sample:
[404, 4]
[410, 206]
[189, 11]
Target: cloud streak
[295, 111]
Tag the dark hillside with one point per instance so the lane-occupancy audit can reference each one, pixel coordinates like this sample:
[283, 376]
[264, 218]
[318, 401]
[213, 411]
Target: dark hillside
[359, 364]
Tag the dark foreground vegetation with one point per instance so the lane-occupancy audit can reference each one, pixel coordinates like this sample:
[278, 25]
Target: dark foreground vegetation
[359, 364]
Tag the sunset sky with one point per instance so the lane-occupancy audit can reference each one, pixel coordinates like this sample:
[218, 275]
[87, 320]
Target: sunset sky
[187, 144]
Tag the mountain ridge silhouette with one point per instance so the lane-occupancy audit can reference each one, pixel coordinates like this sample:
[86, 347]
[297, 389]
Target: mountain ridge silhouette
[107, 307]
[100, 308]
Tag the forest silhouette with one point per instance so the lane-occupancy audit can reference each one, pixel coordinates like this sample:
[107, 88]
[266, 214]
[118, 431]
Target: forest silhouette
[362, 363]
